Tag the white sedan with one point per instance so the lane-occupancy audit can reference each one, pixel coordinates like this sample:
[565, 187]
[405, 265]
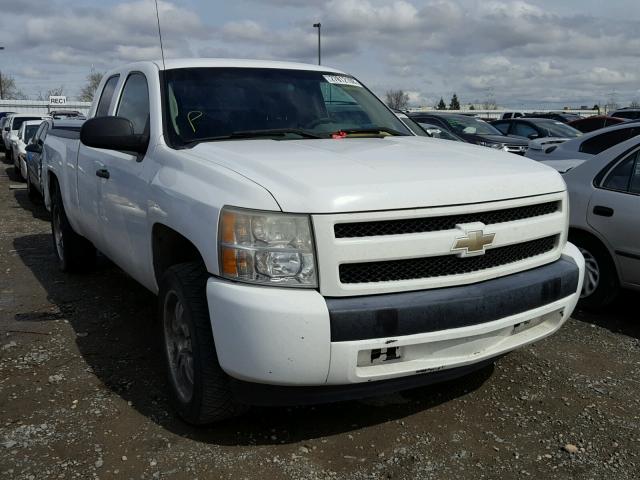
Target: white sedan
[18, 144]
[604, 195]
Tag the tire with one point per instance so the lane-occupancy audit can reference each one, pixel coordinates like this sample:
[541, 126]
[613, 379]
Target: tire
[601, 285]
[32, 193]
[199, 389]
[73, 252]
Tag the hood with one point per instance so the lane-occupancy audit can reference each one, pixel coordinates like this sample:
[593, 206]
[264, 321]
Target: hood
[364, 174]
[542, 143]
[563, 166]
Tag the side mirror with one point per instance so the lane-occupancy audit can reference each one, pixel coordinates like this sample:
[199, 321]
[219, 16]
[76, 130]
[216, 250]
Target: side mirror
[112, 133]
[6, 129]
[532, 136]
[33, 148]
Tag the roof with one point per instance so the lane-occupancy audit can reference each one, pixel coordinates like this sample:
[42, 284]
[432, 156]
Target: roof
[175, 63]
[33, 122]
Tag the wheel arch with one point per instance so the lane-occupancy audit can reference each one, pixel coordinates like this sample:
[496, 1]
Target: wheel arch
[169, 247]
[584, 233]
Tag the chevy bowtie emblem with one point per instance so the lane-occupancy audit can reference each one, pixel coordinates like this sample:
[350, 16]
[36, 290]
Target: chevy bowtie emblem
[474, 242]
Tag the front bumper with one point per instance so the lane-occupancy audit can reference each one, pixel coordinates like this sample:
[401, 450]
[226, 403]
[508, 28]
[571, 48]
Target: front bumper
[290, 337]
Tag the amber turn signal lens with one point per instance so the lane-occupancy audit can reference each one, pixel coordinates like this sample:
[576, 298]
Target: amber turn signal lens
[228, 226]
[229, 264]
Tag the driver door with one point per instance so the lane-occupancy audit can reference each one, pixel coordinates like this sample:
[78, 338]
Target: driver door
[123, 190]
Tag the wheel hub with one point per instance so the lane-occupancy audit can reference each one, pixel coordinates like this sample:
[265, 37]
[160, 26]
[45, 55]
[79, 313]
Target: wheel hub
[591, 274]
[178, 346]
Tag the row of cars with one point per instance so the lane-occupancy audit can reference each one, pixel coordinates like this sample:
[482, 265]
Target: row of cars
[23, 137]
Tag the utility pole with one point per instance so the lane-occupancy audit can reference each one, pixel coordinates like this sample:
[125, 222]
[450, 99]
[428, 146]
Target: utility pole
[318, 26]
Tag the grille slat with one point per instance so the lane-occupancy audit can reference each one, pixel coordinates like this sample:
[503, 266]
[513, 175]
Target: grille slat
[443, 265]
[448, 222]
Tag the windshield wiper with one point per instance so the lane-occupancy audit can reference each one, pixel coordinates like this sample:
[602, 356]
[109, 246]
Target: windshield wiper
[372, 131]
[271, 132]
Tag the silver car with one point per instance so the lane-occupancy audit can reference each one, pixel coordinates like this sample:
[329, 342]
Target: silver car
[585, 146]
[605, 219]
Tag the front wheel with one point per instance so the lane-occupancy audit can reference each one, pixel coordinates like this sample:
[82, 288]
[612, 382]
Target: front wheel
[199, 388]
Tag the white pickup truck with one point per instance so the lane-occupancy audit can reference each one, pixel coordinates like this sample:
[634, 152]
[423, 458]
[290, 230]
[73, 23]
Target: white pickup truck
[304, 246]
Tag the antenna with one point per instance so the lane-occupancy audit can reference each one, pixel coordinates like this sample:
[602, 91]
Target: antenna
[160, 35]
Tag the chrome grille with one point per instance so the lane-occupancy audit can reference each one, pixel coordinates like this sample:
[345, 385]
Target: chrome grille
[432, 224]
[443, 265]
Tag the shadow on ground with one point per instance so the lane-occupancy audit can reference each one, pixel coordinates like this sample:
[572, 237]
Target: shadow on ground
[113, 319]
[619, 317]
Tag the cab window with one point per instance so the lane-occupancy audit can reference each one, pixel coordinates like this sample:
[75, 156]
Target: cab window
[134, 102]
[106, 96]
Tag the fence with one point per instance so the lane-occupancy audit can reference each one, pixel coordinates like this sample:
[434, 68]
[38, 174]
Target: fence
[41, 106]
[496, 114]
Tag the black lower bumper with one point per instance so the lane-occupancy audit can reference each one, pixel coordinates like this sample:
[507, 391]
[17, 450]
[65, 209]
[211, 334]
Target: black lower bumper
[275, 395]
[397, 314]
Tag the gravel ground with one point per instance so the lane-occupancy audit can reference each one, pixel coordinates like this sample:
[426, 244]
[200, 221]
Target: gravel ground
[82, 394]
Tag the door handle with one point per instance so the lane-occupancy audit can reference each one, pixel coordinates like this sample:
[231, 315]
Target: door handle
[603, 211]
[103, 173]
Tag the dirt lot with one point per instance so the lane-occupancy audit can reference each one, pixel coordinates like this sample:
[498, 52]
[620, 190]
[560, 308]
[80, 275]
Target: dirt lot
[82, 394]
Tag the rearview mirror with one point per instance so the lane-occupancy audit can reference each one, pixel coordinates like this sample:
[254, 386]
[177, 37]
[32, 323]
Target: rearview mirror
[112, 133]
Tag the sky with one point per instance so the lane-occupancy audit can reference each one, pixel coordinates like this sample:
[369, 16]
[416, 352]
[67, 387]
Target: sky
[536, 53]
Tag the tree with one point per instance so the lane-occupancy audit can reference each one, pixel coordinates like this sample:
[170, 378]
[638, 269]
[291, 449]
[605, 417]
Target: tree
[634, 104]
[9, 90]
[455, 104]
[441, 105]
[88, 91]
[397, 99]
[471, 107]
[52, 92]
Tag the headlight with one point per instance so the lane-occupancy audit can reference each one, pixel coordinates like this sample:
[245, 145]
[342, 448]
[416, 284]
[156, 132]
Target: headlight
[498, 146]
[267, 248]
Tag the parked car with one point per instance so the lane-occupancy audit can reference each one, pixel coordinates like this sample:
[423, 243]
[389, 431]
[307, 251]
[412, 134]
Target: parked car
[506, 115]
[533, 128]
[299, 254]
[11, 127]
[473, 130]
[25, 133]
[595, 122]
[563, 117]
[629, 113]
[410, 124]
[35, 151]
[62, 114]
[587, 145]
[604, 194]
[439, 132]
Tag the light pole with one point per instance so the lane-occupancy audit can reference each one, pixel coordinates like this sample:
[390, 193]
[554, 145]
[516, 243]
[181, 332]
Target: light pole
[1, 89]
[318, 26]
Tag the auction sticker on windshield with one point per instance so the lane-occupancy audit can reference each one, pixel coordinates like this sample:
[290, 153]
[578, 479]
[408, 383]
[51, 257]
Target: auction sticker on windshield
[342, 80]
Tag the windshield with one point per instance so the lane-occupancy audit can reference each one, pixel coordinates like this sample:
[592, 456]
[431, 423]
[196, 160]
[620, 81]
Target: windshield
[471, 126]
[437, 132]
[213, 103]
[559, 129]
[30, 131]
[18, 121]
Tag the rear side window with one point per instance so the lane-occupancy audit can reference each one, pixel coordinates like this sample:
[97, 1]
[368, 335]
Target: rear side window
[601, 142]
[106, 96]
[134, 102]
[624, 114]
[621, 176]
[18, 121]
